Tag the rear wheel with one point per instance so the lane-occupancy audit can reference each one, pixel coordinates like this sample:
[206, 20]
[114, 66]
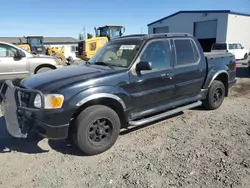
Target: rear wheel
[215, 96]
[96, 129]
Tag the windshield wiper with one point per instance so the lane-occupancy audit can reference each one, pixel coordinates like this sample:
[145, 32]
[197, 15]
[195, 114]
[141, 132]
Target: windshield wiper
[103, 63]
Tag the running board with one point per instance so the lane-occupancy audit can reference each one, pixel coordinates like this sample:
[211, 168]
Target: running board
[164, 114]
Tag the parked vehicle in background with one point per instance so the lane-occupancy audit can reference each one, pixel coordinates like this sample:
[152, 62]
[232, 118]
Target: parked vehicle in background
[69, 51]
[15, 62]
[87, 48]
[235, 48]
[131, 81]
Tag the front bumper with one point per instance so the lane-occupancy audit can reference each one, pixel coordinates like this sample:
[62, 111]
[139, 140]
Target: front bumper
[21, 118]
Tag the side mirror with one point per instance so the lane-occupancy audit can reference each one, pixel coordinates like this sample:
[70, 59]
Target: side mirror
[242, 47]
[19, 54]
[143, 65]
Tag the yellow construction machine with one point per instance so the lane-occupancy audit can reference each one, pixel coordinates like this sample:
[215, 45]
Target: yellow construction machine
[35, 45]
[87, 48]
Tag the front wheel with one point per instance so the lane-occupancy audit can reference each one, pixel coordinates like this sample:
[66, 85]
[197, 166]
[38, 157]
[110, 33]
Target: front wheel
[215, 96]
[96, 129]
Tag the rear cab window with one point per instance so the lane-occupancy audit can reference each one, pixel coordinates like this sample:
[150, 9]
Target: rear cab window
[186, 52]
[219, 46]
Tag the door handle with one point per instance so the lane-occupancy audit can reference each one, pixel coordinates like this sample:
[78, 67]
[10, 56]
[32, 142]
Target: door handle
[169, 76]
[199, 69]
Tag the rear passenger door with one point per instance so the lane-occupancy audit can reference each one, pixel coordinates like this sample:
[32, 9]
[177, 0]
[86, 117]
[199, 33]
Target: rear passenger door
[190, 69]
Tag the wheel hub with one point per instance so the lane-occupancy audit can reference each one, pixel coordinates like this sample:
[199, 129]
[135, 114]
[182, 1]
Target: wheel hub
[100, 130]
[217, 95]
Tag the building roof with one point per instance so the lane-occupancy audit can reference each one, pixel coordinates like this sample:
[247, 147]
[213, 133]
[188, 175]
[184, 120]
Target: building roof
[200, 11]
[46, 40]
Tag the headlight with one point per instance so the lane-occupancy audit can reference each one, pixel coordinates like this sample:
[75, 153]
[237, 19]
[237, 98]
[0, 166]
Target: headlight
[51, 101]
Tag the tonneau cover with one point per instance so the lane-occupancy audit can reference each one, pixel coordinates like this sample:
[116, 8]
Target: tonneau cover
[211, 55]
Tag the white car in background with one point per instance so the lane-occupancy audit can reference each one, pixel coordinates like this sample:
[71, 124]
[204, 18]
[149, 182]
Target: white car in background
[15, 62]
[235, 48]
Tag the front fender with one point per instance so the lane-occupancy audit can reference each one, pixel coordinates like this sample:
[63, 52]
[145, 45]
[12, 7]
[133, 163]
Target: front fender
[98, 92]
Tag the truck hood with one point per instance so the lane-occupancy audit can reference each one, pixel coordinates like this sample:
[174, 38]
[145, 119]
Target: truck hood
[64, 76]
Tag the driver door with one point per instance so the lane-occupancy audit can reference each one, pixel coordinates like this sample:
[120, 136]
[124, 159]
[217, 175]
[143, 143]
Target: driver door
[10, 66]
[151, 88]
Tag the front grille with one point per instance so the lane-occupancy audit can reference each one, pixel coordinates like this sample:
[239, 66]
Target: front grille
[25, 99]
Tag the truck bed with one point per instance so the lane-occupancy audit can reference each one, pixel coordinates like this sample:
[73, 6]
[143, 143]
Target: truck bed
[221, 60]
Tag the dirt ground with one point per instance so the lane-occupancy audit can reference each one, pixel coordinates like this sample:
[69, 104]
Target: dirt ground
[196, 148]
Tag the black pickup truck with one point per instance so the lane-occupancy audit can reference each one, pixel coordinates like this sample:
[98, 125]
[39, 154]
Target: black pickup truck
[131, 81]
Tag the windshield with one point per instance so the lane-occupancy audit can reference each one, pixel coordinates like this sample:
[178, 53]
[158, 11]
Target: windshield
[117, 53]
[115, 32]
[35, 42]
[103, 32]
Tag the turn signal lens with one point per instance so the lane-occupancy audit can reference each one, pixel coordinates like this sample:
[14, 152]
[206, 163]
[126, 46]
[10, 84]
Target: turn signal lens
[52, 101]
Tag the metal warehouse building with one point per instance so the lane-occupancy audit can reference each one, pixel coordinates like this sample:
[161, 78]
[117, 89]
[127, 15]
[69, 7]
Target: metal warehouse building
[208, 26]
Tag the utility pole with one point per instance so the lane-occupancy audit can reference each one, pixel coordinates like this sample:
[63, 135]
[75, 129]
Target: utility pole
[84, 32]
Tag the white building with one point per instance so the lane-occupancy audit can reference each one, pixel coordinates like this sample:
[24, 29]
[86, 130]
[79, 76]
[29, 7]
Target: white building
[208, 26]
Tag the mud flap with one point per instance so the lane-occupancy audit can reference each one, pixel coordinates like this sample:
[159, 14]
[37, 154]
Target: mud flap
[9, 110]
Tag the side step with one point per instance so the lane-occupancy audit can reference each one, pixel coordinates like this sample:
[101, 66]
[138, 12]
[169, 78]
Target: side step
[164, 114]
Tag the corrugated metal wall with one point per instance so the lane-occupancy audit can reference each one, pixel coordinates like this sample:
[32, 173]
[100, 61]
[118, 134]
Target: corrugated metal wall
[184, 22]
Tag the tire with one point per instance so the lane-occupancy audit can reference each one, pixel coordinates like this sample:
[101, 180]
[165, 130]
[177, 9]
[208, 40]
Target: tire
[215, 96]
[93, 138]
[43, 69]
[70, 60]
[245, 56]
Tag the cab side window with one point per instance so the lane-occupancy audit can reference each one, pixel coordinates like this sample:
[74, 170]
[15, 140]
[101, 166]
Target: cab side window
[7, 51]
[186, 52]
[158, 53]
[239, 46]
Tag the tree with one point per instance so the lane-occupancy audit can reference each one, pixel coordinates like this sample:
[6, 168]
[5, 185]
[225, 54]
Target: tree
[89, 36]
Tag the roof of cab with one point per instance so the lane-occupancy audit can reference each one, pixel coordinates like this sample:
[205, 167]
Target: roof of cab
[151, 36]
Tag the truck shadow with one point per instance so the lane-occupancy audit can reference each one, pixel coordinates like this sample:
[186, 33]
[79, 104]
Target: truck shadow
[30, 145]
[11, 144]
[132, 129]
[66, 147]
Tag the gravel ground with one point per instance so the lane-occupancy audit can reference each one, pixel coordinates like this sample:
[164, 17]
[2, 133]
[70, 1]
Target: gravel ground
[196, 148]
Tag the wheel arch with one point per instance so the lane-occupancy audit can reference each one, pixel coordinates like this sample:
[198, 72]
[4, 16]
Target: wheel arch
[44, 66]
[106, 99]
[223, 77]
